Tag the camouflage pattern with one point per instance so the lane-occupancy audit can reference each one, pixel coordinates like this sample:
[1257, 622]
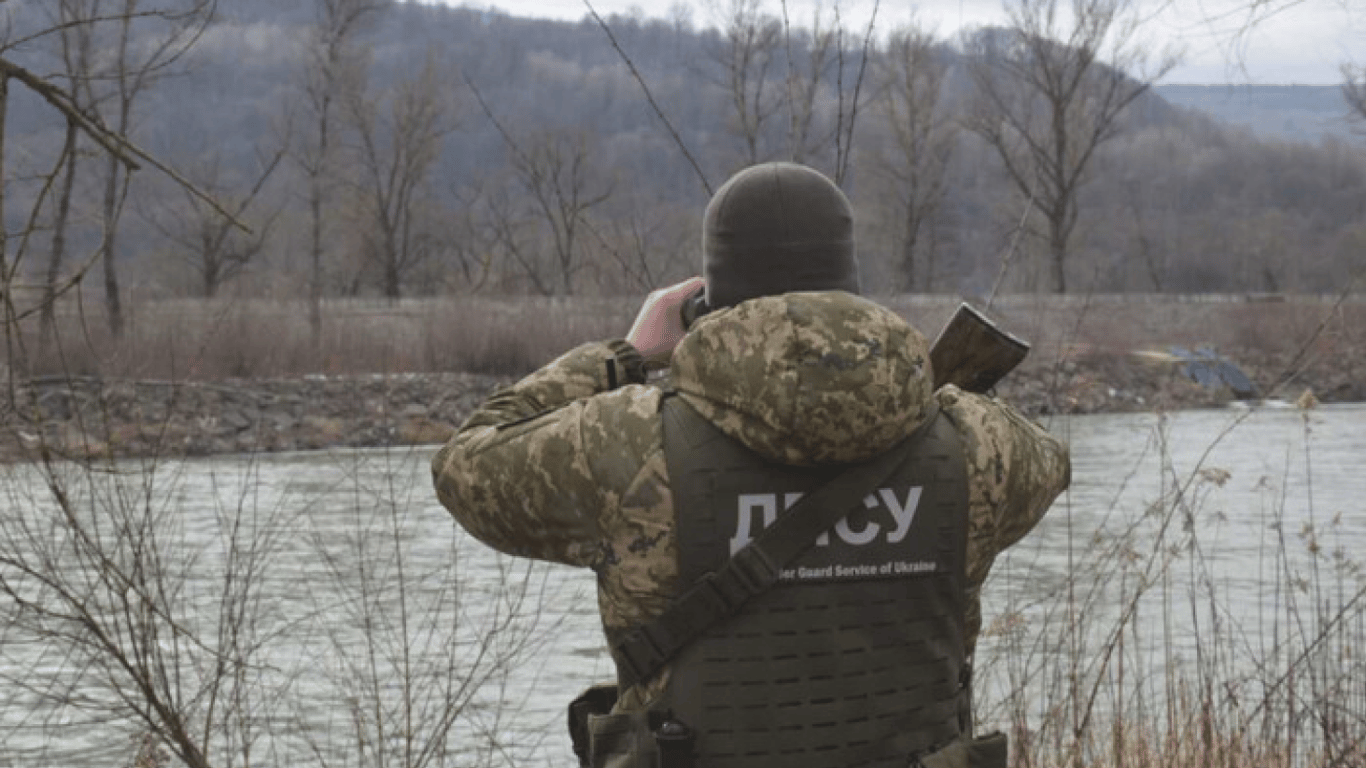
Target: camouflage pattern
[559, 467]
[811, 378]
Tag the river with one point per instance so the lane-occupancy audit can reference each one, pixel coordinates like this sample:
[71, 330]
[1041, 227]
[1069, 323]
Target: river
[1219, 544]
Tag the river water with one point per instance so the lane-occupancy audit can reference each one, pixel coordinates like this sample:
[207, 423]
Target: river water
[1205, 543]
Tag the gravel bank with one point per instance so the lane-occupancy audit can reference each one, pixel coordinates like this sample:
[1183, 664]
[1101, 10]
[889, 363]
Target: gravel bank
[90, 417]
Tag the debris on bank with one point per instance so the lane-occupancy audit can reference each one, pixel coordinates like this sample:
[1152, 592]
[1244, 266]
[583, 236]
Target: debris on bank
[1205, 367]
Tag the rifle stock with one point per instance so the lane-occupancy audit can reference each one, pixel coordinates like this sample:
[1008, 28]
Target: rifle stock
[972, 353]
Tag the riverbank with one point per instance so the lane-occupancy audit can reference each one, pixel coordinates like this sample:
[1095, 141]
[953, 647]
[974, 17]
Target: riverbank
[86, 416]
[238, 375]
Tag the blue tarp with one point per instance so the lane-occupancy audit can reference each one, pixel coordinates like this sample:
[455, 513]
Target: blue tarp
[1207, 368]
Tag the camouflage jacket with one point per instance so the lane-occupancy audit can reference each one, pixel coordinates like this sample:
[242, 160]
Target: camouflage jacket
[568, 464]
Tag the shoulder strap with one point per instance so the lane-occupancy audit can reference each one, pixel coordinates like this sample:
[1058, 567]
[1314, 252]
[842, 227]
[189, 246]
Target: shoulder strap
[755, 567]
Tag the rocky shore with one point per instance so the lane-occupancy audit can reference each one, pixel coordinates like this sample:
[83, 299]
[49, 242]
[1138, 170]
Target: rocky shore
[81, 417]
[92, 417]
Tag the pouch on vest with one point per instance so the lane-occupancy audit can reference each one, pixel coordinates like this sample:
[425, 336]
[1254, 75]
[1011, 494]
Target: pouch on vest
[605, 740]
[621, 740]
[596, 701]
[642, 739]
[989, 751]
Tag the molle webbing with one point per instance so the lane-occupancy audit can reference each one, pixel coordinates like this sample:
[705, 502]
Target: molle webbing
[807, 680]
[755, 564]
[832, 666]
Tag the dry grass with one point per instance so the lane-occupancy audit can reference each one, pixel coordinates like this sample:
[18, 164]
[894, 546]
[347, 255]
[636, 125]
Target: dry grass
[188, 339]
[263, 339]
[1144, 653]
[1059, 325]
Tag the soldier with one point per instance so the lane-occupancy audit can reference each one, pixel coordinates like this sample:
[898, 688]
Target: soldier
[854, 650]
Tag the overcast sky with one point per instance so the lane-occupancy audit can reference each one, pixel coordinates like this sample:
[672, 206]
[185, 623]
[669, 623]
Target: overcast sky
[1305, 43]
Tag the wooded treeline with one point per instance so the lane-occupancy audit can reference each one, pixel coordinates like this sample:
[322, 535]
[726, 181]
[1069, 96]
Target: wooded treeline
[380, 148]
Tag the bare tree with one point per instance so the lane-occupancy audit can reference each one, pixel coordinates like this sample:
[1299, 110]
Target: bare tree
[142, 41]
[70, 19]
[646, 248]
[85, 565]
[395, 141]
[77, 106]
[512, 234]
[751, 40]
[331, 70]
[541, 228]
[57, 250]
[1048, 100]
[209, 242]
[751, 44]
[849, 97]
[469, 238]
[816, 52]
[557, 171]
[924, 135]
[98, 566]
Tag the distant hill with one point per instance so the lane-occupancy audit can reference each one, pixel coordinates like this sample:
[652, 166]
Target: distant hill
[1303, 113]
[1203, 188]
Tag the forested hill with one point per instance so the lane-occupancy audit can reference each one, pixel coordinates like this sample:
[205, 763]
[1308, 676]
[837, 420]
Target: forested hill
[474, 151]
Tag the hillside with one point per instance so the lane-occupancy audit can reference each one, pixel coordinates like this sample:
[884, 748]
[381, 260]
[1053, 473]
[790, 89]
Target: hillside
[550, 172]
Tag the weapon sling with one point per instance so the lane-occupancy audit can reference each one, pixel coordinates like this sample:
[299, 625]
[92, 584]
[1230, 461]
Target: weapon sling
[755, 567]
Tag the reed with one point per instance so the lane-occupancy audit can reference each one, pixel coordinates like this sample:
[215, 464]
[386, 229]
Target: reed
[1146, 654]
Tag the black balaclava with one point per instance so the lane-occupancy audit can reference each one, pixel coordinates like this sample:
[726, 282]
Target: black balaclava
[775, 228]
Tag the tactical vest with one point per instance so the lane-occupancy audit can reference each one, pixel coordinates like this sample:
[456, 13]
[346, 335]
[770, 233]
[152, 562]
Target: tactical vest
[856, 656]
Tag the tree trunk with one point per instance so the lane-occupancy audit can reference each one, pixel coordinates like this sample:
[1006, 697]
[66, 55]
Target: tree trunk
[908, 241]
[393, 276]
[1058, 257]
[5, 283]
[48, 320]
[113, 303]
[315, 212]
[212, 273]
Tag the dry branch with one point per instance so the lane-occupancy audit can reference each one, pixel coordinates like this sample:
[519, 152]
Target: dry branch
[678, 140]
[120, 147]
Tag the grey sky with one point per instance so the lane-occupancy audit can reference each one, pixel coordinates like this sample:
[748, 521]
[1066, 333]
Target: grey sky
[1306, 43]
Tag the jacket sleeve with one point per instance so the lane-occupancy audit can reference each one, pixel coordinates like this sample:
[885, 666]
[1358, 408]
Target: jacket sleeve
[1015, 471]
[515, 475]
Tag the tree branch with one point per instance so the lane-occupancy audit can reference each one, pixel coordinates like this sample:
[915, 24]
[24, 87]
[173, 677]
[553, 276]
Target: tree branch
[678, 140]
[127, 153]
